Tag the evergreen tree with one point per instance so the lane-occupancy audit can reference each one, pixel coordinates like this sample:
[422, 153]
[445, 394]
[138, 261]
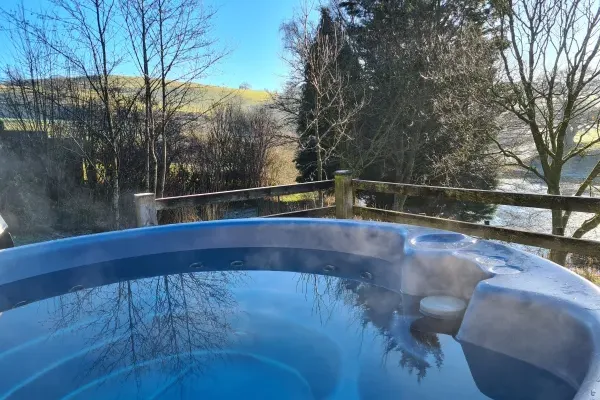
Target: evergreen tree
[426, 66]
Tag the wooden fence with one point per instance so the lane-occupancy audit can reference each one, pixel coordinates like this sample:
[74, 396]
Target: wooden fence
[345, 187]
[147, 206]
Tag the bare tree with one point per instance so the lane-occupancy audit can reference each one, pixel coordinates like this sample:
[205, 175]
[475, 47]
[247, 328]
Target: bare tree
[235, 147]
[24, 98]
[140, 18]
[91, 24]
[40, 95]
[314, 53]
[548, 83]
[186, 53]
[231, 151]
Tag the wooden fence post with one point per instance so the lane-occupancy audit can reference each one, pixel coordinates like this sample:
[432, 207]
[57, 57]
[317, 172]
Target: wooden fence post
[145, 209]
[344, 196]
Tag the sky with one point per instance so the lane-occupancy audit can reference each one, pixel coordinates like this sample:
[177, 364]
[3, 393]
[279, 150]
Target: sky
[249, 28]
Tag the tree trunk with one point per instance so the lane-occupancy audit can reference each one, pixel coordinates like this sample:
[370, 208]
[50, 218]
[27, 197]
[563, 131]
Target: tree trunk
[319, 159]
[320, 172]
[116, 194]
[147, 166]
[164, 164]
[405, 168]
[155, 165]
[557, 256]
[147, 100]
[399, 200]
[163, 87]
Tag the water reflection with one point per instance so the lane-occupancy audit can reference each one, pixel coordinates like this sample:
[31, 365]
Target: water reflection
[323, 293]
[218, 335]
[430, 344]
[172, 320]
[396, 319]
[156, 323]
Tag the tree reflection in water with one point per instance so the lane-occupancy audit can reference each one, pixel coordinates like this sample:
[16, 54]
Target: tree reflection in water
[323, 292]
[180, 324]
[431, 345]
[170, 319]
[385, 312]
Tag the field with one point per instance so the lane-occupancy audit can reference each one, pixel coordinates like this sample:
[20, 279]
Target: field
[201, 98]
[203, 95]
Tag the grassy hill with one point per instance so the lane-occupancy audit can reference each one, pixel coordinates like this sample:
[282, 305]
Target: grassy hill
[205, 95]
[201, 97]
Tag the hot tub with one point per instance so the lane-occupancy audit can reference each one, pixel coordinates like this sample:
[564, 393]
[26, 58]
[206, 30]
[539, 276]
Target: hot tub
[294, 309]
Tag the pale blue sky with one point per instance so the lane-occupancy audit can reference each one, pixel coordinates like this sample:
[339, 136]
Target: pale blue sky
[250, 28]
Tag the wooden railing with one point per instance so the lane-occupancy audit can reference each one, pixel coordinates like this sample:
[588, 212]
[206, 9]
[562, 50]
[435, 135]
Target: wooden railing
[345, 189]
[147, 206]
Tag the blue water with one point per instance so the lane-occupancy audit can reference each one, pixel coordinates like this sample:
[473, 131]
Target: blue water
[248, 335]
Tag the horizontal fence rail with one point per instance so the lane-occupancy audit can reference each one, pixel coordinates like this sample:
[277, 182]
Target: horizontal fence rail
[147, 205]
[311, 212]
[546, 201]
[195, 200]
[581, 246]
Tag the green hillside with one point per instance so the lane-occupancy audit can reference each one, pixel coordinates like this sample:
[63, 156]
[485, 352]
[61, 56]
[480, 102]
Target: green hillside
[201, 97]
